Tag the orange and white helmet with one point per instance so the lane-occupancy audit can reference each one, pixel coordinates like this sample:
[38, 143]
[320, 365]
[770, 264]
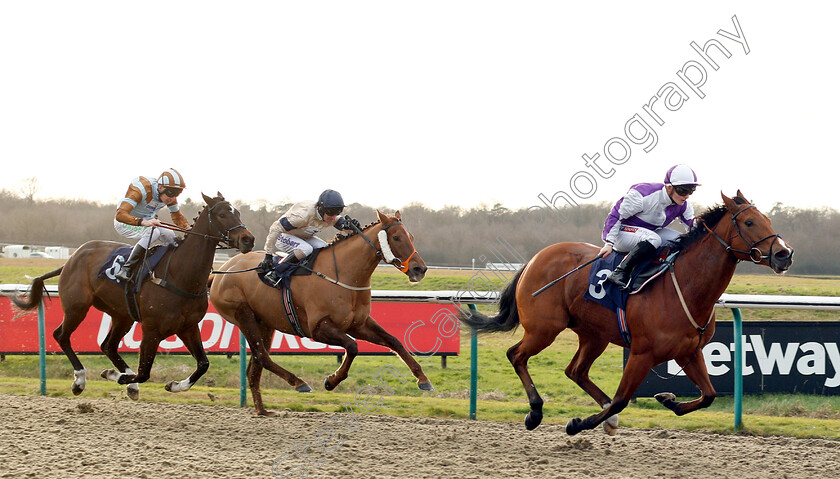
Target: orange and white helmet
[681, 175]
[171, 179]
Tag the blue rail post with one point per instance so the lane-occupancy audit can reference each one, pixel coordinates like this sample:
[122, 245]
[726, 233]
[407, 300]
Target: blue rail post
[42, 349]
[473, 367]
[739, 376]
[243, 370]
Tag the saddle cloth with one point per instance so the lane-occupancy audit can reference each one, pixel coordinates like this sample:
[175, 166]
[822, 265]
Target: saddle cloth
[611, 296]
[118, 257]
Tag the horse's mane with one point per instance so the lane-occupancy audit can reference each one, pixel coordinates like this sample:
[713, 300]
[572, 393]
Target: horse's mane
[341, 236]
[711, 217]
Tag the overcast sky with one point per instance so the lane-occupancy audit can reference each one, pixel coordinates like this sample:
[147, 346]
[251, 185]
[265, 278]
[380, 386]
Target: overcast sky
[442, 103]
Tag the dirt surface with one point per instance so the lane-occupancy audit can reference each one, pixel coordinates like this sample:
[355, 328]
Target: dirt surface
[69, 438]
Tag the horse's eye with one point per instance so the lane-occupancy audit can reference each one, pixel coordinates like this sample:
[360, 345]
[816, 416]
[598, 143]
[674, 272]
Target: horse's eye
[396, 238]
[749, 223]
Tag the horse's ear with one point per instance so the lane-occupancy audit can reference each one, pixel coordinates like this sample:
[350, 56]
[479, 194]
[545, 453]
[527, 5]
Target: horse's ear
[219, 195]
[382, 216]
[741, 196]
[729, 202]
[397, 215]
[207, 199]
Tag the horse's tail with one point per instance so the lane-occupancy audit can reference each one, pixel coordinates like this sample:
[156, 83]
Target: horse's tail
[508, 317]
[36, 291]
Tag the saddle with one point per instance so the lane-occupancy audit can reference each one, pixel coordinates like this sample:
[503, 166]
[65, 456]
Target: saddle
[280, 275]
[116, 260]
[611, 296]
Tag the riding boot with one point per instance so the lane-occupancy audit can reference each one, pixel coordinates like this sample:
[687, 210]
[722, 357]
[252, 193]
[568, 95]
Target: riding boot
[286, 263]
[126, 273]
[640, 253]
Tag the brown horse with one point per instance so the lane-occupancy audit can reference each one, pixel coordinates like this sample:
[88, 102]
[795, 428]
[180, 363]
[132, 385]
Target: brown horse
[662, 327]
[164, 311]
[327, 311]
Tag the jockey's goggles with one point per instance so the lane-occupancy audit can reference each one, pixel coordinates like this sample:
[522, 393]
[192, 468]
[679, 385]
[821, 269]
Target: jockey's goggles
[685, 190]
[171, 192]
[334, 211]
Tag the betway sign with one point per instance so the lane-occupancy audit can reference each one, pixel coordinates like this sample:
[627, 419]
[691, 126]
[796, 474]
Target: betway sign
[798, 357]
[424, 328]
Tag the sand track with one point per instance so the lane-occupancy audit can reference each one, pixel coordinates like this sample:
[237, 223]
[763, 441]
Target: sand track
[59, 437]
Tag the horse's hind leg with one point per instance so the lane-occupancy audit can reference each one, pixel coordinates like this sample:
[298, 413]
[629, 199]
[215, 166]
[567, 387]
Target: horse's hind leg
[371, 331]
[119, 328]
[73, 316]
[589, 349]
[191, 336]
[530, 345]
[694, 367]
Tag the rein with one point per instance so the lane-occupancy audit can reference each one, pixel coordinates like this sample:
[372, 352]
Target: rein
[222, 238]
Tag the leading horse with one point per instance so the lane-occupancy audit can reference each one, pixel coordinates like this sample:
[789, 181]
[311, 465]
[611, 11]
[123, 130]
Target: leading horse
[671, 319]
[328, 309]
[164, 311]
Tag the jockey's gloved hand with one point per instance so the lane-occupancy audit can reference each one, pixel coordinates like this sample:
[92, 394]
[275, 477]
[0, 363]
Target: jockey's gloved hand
[267, 262]
[347, 223]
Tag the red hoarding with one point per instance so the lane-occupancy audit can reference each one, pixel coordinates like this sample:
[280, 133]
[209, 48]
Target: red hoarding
[423, 328]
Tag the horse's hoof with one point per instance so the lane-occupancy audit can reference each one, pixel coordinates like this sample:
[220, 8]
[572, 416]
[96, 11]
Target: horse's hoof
[426, 387]
[327, 385]
[611, 425]
[76, 389]
[106, 373]
[168, 386]
[304, 388]
[133, 393]
[573, 426]
[532, 420]
[665, 397]
[266, 413]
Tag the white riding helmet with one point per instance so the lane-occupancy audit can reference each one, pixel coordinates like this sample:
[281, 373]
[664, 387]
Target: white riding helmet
[681, 175]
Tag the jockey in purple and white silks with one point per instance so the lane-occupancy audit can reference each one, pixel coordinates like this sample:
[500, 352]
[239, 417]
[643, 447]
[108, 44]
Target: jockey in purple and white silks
[294, 232]
[637, 223]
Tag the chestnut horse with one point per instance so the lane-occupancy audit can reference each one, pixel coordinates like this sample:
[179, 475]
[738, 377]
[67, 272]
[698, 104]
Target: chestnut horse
[661, 325]
[163, 311]
[327, 311]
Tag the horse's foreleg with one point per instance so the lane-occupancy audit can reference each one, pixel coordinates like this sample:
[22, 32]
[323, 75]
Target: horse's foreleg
[635, 371]
[325, 332]
[148, 350]
[518, 355]
[589, 349]
[372, 332]
[694, 367]
[191, 336]
[119, 328]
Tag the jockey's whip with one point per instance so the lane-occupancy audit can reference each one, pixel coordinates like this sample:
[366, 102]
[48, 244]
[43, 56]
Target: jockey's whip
[561, 277]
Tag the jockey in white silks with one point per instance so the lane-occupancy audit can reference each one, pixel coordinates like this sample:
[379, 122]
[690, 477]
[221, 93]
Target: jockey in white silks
[294, 232]
[637, 223]
[136, 215]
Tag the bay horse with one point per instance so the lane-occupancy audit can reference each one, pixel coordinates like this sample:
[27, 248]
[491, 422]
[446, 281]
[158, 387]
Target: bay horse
[327, 311]
[163, 311]
[661, 325]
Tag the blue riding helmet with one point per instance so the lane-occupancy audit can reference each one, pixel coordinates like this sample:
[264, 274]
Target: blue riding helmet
[331, 199]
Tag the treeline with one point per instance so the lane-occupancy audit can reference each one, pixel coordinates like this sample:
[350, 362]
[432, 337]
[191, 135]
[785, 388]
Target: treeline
[451, 236]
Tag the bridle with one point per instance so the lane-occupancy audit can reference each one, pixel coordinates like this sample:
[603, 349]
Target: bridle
[384, 252]
[754, 254]
[223, 235]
